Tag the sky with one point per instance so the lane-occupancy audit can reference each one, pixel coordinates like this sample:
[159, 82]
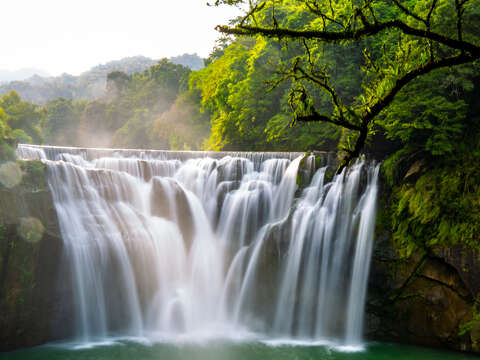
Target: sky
[72, 36]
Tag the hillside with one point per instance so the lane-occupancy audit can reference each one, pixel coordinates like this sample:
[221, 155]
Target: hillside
[88, 85]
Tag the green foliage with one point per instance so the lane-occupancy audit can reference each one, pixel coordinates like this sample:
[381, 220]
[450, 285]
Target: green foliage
[134, 132]
[435, 175]
[467, 327]
[33, 172]
[135, 102]
[126, 116]
[431, 113]
[249, 110]
[6, 151]
[22, 115]
[243, 93]
[441, 208]
[183, 126]
[384, 50]
[392, 167]
[127, 113]
[19, 123]
[61, 121]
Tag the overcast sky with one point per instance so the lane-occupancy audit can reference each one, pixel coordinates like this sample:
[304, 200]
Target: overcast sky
[73, 35]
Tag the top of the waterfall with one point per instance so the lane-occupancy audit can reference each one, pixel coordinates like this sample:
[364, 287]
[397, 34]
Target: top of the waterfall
[51, 153]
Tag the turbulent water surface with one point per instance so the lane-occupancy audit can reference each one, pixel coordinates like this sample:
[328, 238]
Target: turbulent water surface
[220, 351]
[197, 246]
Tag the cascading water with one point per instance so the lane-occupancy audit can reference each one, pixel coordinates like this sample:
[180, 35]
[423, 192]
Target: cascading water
[193, 245]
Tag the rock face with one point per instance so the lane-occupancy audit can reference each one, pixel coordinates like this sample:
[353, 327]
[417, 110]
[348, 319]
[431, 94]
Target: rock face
[34, 297]
[426, 299]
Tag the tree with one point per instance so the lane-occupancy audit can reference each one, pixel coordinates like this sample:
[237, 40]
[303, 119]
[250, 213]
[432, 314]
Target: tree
[62, 119]
[401, 42]
[245, 111]
[184, 126]
[24, 116]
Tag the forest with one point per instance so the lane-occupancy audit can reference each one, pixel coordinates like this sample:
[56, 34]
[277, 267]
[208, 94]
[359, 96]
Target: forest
[246, 99]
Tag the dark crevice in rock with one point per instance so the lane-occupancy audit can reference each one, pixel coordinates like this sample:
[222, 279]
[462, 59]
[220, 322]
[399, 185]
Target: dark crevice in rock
[441, 283]
[409, 279]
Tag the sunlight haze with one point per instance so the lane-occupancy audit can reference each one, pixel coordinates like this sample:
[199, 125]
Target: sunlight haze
[60, 36]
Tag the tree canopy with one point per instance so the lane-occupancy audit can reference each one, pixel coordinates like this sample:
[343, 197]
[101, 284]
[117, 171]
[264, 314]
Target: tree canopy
[400, 41]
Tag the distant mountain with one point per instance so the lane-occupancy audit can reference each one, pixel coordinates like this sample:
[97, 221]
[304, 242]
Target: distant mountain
[193, 61]
[19, 75]
[89, 85]
[128, 65]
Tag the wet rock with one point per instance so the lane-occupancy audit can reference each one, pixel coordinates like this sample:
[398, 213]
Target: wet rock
[425, 299]
[35, 297]
[466, 262]
[415, 171]
[273, 251]
[475, 337]
[169, 201]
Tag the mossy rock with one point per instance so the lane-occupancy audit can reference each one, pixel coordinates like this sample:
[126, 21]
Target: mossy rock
[33, 175]
[303, 174]
[330, 174]
[35, 301]
[475, 336]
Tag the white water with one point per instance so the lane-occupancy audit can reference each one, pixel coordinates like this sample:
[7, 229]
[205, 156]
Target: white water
[194, 246]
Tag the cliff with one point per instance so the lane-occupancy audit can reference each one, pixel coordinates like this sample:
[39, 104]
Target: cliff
[425, 298]
[34, 294]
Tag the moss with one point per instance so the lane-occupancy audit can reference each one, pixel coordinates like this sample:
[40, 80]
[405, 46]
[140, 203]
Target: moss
[330, 174]
[33, 174]
[3, 243]
[25, 269]
[472, 328]
[7, 152]
[20, 268]
[302, 174]
[475, 336]
[384, 216]
[318, 161]
[440, 206]
[393, 168]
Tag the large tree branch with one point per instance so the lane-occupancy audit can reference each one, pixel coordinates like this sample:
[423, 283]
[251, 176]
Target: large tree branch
[365, 31]
[317, 117]
[314, 9]
[411, 75]
[386, 100]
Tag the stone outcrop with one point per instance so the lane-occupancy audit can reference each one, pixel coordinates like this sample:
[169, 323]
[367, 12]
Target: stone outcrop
[425, 299]
[34, 297]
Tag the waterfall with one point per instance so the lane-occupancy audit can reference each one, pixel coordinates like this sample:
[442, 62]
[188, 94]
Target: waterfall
[198, 245]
